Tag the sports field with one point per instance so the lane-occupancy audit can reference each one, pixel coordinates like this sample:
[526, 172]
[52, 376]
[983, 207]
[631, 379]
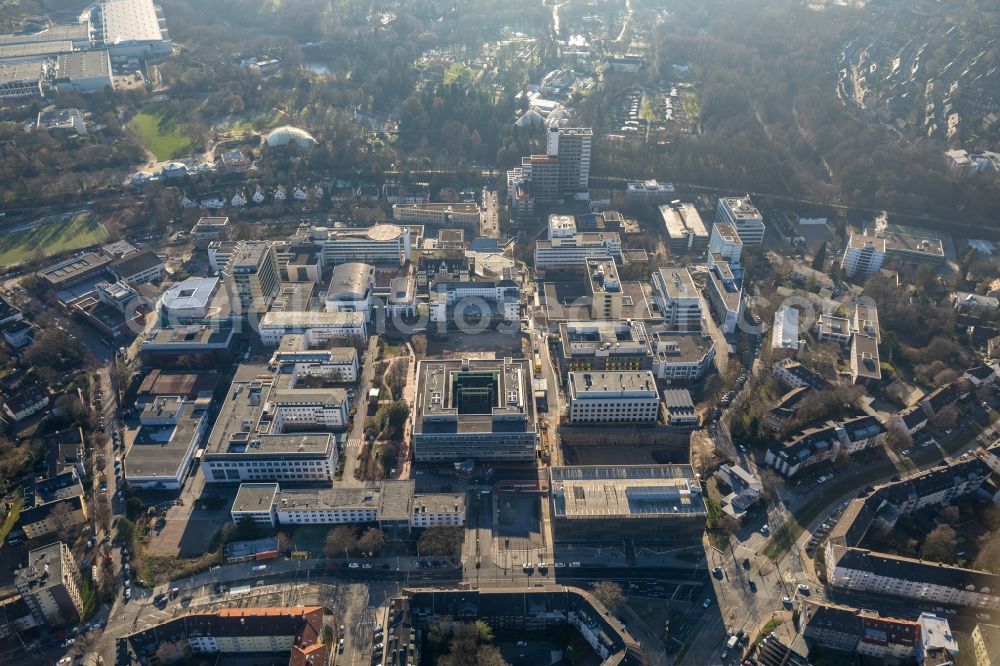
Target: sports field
[51, 236]
[163, 136]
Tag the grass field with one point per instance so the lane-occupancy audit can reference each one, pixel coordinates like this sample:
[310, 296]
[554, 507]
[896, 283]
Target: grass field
[161, 135]
[51, 237]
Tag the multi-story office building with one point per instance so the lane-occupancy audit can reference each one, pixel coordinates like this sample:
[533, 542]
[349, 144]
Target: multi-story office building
[612, 397]
[252, 275]
[681, 356]
[678, 299]
[725, 242]
[571, 145]
[685, 230]
[604, 504]
[604, 346]
[833, 328]
[862, 570]
[745, 218]
[648, 193]
[268, 505]
[49, 585]
[541, 172]
[570, 252]
[520, 200]
[604, 288]
[350, 289]
[300, 261]
[379, 245]
[208, 345]
[268, 429]
[465, 215]
[318, 327]
[209, 229]
[170, 431]
[725, 294]
[474, 409]
[334, 364]
[456, 297]
[863, 255]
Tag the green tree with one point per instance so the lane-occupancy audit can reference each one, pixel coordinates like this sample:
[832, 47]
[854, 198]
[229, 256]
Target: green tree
[484, 631]
[390, 419]
[939, 546]
[126, 531]
[134, 507]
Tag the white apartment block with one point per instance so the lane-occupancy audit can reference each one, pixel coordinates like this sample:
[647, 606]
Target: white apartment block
[297, 409]
[571, 251]
[336, 364]
[438, 511]
[743, 216]
[678, 299]
[612, 397]
[862, 570]
[318, 327]
[863, 255]
[268, 505]
[381, 244]
[467, 215]
[725, 242]
[679, 357]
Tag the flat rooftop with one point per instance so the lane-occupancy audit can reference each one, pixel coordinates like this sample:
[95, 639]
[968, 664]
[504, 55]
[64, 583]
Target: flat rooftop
[44, 568]
[181, 336]
[327, 499]
[602, 276]
[162, 450]
[741, 207]
[84, 65]
[681, 220]
[614, 337]
[243, 428]
[625, 491]
[677, 282]
[603, 385]
[256, 497]
[569, 301]
[727, 232]
[475, 395]
[73, 32]
[316, 318]
[129, 21]
[71, 269]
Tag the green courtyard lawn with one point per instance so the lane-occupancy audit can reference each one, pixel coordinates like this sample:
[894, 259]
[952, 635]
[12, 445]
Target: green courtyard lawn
[163, 136]
[51, 237]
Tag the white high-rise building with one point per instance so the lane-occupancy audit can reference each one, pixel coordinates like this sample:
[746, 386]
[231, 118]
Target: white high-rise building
[863, 255]
[725, 242]
[744, 216]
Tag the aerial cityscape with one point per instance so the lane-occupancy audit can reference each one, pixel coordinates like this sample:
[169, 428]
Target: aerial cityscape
[534, 333]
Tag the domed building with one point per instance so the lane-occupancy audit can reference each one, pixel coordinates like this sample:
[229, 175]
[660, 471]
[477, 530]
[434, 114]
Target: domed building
[287, 134]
